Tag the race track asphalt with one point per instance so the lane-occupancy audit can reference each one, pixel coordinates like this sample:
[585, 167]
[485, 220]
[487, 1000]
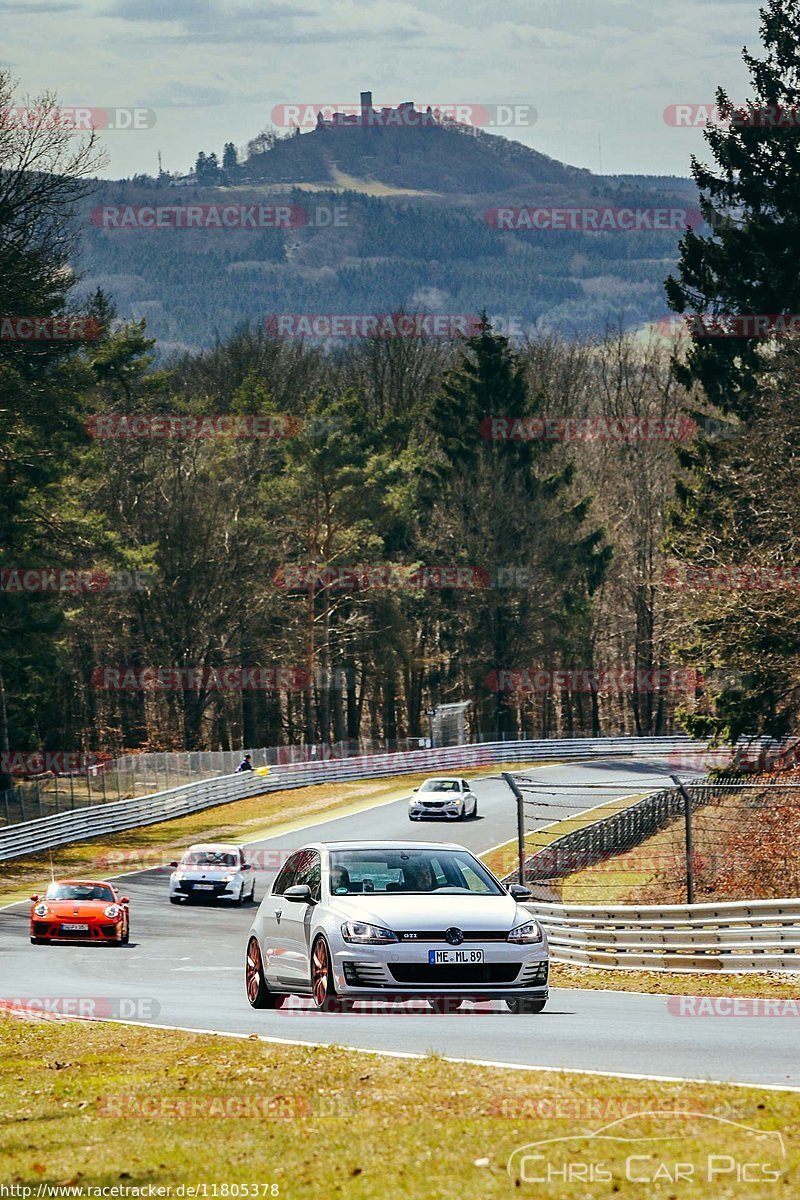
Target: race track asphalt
[184, 967]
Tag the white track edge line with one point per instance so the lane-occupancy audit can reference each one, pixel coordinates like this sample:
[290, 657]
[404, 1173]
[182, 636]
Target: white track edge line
[478, 1062]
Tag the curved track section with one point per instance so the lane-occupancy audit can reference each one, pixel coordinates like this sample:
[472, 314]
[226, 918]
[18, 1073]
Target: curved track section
[184, 967]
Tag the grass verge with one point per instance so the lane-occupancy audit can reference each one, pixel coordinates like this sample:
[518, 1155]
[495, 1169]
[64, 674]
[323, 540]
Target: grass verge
[109, 1105]
[770, 985]
[249, 820]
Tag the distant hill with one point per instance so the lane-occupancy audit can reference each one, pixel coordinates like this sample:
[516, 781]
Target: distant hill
[412, 232]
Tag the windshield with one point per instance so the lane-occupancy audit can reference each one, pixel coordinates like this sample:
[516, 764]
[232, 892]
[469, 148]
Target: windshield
[79, 891]
[440, 785]
[214, 859]
[445, 872]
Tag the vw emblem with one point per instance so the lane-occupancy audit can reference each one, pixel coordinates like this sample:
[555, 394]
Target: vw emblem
[453, 936]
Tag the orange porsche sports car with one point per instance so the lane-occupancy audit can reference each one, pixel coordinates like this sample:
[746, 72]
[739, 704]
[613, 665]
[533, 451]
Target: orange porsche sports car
[78, 911]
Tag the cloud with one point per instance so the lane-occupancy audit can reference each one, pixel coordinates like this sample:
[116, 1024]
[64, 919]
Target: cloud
[25, 7]
[159, 10]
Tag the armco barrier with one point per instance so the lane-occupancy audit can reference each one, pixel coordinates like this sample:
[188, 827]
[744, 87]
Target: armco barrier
[103, 819]
[604, 839]
[743, 935]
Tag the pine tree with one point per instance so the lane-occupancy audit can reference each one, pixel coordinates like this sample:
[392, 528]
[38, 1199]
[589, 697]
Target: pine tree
[749, 263]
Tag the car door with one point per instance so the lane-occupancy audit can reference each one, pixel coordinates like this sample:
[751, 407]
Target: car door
[295, 922]
[270, 918]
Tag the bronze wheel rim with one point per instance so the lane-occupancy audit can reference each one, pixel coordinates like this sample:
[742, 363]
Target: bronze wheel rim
[320, 974]
[253, 970]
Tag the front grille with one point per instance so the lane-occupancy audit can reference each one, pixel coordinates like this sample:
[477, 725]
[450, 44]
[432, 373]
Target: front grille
[455, 972]
[437, 935]
[189, 885]
[74, 933]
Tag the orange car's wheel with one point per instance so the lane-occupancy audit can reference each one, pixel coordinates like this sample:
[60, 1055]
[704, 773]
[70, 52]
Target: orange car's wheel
[126, 937]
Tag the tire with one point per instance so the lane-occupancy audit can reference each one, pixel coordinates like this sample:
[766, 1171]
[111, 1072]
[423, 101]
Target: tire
[38, 941]
[239, 901]
[174, 899]
[258, 994]
[445, 1004]
[462, 816]
[525, 1004]
[126, 937]
[323, 991]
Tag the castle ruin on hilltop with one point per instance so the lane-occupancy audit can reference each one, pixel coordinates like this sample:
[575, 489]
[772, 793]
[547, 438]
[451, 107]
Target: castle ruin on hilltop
[405, 115]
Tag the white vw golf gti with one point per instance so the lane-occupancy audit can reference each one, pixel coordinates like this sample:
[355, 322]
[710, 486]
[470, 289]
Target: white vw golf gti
[351, 920]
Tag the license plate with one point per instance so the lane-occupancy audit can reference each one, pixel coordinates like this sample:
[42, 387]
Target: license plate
[204, 887]
[443, 957]
[76, 928]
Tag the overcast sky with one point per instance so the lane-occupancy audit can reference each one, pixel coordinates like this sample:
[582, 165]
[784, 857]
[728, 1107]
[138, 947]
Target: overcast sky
[599, 73]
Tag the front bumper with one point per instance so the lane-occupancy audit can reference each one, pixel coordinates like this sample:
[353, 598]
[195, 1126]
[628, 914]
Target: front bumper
[452, 811]
[400, 970]
[52, 931]
[208, 889]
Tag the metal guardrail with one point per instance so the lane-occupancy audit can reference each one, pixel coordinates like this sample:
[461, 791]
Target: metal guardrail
[741, 935]
[613, 835]
[83, 824]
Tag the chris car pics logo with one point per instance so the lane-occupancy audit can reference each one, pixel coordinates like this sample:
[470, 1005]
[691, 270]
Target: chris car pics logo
[680, 1151]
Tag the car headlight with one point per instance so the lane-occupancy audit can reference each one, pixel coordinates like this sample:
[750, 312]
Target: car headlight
[229, 879]
[112, 912]
[367, 935]
[529, 932]
[177, 874]
[41, 910]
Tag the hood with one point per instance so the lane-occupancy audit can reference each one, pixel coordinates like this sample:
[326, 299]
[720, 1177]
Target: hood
[401, 912]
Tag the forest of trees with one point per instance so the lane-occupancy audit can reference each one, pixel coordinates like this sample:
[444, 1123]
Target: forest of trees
[380, 548]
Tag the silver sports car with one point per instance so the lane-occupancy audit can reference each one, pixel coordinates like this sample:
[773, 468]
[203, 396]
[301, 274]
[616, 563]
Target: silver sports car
[351, 920]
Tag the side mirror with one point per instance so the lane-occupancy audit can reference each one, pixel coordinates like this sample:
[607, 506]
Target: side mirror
[416, 789]
[124, 900]
[299, 893]
[245, 867]
[519, 891]
[35, 897]
[174, 862]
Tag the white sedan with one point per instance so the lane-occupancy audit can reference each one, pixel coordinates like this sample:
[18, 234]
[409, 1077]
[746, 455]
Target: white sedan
[350, 920]
[449, 797]
[212, 871]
